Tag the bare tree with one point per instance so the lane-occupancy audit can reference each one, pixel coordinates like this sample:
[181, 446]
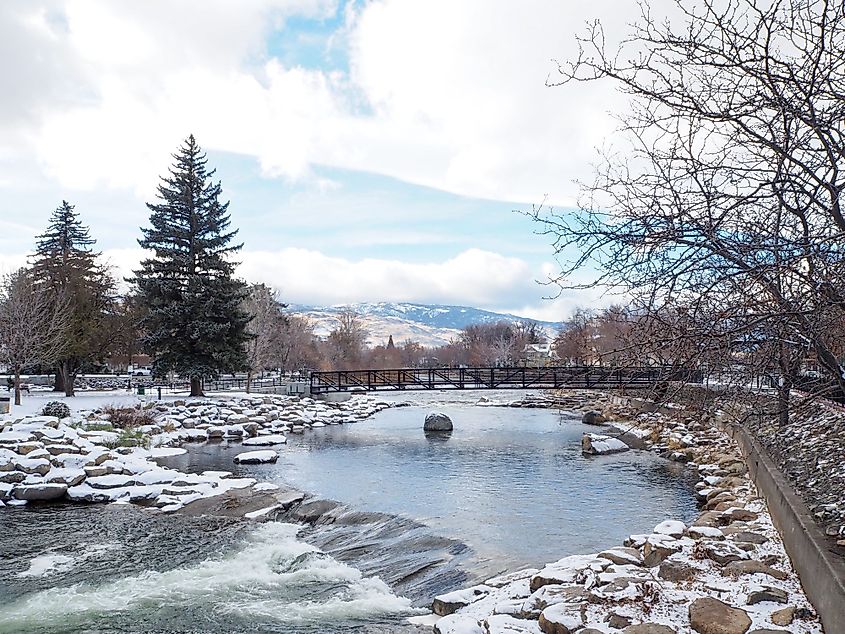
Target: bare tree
[724, 211]
[346, 341]
[265, 327]
[297, 346]
[32, 324]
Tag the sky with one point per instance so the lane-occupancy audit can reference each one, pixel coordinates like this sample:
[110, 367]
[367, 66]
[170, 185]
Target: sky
[372, 151]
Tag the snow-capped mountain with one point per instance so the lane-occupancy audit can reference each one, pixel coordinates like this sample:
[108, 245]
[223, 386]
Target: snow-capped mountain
[429, 325]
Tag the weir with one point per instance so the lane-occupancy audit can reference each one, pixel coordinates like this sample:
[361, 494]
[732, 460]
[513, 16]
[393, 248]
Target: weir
[498, 378]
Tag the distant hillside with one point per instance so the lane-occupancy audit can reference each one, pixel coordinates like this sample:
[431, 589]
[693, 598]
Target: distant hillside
[430, 325]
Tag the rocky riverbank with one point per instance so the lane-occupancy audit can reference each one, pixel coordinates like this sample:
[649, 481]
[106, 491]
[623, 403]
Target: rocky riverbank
[726, 573]
[96, 457]
[567, 400]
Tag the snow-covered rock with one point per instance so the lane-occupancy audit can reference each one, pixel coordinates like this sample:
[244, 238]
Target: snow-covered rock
[598, 445]
[458, 624]
[255, 457]
[673, 528]
[446, 604]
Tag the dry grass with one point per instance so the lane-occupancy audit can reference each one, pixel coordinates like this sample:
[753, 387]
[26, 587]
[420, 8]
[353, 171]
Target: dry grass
[128, 417]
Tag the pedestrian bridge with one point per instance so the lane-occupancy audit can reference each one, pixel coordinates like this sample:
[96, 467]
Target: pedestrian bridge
[587, 377]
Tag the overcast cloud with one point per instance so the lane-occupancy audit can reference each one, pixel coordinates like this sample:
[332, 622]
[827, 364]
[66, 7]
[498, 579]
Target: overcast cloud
[446, 95]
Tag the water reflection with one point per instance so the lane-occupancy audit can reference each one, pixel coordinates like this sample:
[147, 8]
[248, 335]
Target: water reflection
[512, 483]
[438, 436]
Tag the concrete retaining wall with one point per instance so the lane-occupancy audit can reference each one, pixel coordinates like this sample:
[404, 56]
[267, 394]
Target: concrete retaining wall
[822, 572]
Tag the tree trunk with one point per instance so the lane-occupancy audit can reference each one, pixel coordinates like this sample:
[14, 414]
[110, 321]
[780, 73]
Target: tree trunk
[69, 377]
[248, 381]
[196, 386]
[17, 385]
[59, 383]
[784, 388]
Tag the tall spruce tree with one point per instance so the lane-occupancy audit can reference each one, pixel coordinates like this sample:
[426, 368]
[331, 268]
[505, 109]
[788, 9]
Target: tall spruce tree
[67, 268]
[196, 325]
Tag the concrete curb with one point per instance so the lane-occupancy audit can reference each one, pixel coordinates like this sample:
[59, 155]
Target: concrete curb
[822, 572]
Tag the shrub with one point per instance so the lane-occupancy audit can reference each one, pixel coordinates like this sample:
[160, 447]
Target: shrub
[128, 417]
[57, 409]
[129, 438]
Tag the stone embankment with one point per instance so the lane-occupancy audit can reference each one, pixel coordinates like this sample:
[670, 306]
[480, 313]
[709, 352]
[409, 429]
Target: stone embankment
[726, 573]
[569, 400]
[810, 452]
[82, 458]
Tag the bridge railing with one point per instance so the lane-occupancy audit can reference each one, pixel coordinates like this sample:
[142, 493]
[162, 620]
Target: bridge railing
[494, 378]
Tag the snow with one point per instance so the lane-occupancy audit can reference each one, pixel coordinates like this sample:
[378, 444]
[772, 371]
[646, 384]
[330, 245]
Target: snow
[45, 564]
[265, 486]
[272, 439]
[670, 527]
[564, 614]
[459, 624]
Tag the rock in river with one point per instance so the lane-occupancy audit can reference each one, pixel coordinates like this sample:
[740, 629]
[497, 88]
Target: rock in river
[598, 445]
[437, 421]
[255, 457]
[593, 417]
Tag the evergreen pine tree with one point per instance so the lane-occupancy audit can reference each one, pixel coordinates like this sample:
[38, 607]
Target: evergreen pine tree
[195, 326]
[67, 268]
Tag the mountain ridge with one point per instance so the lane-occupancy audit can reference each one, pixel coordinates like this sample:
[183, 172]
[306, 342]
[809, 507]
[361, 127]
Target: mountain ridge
[429, 324]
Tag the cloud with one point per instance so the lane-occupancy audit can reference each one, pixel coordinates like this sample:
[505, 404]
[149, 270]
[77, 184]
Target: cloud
[443, 94]
[449, 95]
[472, 277]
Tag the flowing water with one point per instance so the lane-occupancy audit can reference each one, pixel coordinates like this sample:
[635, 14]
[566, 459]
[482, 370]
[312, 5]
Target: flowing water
[412, 515]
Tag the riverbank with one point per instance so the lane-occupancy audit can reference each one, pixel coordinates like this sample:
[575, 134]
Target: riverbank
[725, 573]
[729, 553]
[109, 454]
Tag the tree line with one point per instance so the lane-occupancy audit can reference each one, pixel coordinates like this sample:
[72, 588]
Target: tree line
[64, 313]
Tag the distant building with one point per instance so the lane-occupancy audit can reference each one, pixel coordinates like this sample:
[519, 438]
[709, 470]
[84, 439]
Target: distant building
[539, 354]
[122, 363]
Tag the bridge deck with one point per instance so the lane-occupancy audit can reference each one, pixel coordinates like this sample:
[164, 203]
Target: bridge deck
[494, 378]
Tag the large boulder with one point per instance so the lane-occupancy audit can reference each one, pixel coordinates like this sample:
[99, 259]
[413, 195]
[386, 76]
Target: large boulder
[710, 616]
[437, 421]
[593, 417]
[40, 492]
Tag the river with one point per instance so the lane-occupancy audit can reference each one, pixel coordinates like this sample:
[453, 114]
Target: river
[414, 516]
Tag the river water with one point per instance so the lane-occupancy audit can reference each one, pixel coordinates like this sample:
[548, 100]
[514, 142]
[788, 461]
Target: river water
[412, 516]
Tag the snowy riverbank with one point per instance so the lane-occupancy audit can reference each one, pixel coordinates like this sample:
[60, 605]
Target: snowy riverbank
[85, 457]
[727, 573]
